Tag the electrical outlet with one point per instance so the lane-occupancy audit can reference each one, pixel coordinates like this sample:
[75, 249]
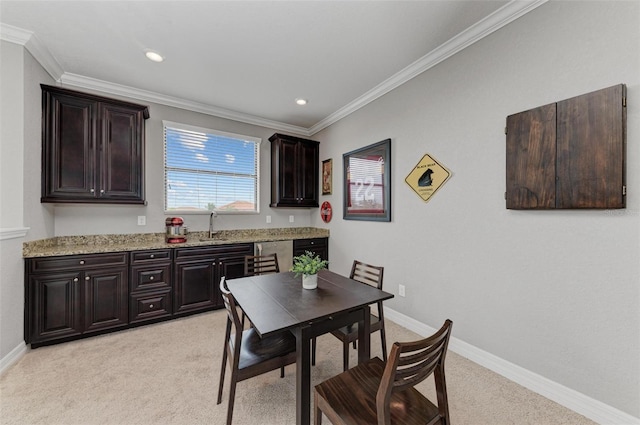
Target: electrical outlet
[142, 220]
[291, 219]
[401, 290]
[268, 219]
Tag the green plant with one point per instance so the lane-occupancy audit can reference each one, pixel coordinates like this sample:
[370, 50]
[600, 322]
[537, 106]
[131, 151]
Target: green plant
[308, 263]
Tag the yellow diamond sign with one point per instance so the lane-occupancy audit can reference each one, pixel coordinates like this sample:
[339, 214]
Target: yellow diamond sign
[427, 177]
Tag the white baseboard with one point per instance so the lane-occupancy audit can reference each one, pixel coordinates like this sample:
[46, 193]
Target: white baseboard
[14, 355]
[593, 409]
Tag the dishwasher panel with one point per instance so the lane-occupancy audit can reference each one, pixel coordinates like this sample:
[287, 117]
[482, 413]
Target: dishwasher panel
[284, 249]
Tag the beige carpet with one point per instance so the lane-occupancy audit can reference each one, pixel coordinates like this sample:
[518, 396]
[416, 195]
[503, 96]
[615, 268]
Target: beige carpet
[168, 373]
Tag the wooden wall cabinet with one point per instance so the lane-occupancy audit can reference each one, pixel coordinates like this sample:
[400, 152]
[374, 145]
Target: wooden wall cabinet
[295, 172]
[75, 295]
[92, 148]
[569, 154]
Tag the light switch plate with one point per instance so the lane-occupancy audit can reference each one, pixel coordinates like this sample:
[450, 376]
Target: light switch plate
[142, 220]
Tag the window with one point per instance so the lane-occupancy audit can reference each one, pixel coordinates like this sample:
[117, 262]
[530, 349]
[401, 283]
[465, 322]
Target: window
[209, 170]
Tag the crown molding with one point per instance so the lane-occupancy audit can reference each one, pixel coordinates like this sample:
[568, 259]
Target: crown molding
[503, 16]
[498, 19]
[148, 96]
[34, 46]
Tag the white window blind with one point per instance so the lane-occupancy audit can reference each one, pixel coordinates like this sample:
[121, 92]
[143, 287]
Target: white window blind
[209, 170]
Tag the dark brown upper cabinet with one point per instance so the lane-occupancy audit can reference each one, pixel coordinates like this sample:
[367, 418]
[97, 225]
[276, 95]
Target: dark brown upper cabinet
[92, 148]
[294, 172]
[569, 154]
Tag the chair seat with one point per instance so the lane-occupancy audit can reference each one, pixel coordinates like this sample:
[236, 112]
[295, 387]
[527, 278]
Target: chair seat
[255, 350]
[351, 331]
[408, 407]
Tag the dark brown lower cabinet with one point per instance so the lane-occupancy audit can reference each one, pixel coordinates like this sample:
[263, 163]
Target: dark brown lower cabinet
[198, 272]
[73, 296]
[319, 246]
[69, 297]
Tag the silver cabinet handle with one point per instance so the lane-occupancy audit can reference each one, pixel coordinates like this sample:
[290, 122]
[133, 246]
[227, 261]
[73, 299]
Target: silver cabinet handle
[152, 256]
[151, 278]
[150, 305]
[87, 278]
[75, 279]
[92, 190]
[81, 261]
[101, 191]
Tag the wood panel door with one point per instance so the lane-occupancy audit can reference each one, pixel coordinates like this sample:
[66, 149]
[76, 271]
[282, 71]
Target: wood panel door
[68, 151]
[106, 299]
[195, 286]
[56, 308]
[591, 150]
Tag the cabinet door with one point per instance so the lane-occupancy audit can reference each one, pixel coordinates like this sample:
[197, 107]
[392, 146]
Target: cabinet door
[195, 286]
[591, 150]
[531, 158]
[54, 310]
[106, 299]
[68, 159]
[121, 154]
[287, 179]
[308, 179]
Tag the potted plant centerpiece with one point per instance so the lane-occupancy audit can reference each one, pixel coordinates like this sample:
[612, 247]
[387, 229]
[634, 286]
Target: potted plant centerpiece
[308, 265]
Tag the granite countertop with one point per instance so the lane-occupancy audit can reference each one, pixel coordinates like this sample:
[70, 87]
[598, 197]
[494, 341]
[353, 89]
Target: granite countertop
[91, 244]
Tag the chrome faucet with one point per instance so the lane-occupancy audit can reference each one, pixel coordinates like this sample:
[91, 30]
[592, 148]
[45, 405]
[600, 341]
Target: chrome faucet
[211, 217]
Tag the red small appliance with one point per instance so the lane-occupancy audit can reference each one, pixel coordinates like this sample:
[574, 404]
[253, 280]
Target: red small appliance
[176, 231]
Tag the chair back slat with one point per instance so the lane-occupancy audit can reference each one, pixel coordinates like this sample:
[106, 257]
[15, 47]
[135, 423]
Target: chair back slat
[255, 265]
[411, 363]
[366, 273]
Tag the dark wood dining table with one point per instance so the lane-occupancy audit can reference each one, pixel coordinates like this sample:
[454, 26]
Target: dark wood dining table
[277, 302]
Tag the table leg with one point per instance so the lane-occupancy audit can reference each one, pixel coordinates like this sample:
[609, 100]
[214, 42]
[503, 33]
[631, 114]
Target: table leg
[303, 375]
[364, 336]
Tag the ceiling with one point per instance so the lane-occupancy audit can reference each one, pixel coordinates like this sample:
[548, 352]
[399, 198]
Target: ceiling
[250, 60]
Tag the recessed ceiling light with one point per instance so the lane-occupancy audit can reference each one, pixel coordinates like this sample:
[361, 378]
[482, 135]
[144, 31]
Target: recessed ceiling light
[301, 102]
[153, 56]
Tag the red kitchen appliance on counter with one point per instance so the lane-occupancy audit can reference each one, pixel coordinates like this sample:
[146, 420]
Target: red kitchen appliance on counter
[176, 231]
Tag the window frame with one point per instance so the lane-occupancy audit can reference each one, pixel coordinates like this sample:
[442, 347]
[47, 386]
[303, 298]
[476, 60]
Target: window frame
[209, 131]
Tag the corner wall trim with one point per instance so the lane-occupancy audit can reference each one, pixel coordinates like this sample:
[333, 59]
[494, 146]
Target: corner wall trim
[593, 409]
[12, 358]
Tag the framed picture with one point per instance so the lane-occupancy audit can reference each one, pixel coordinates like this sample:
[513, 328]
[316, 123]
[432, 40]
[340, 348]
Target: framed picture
[326, 176]
[367, 183]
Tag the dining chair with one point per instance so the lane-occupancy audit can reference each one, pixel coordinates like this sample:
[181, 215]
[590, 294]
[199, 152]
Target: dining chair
[248, 354]
[370, 275]
[377, 392]
[261, 264]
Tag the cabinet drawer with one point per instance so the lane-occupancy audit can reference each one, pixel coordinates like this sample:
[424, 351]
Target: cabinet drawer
[198, 253]
[150, 277]
[77, 262]
[142, 257]
[150, 305]
[302, 244]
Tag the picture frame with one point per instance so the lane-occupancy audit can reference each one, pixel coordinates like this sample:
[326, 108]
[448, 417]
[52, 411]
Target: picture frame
[327, 171]
[367, 183]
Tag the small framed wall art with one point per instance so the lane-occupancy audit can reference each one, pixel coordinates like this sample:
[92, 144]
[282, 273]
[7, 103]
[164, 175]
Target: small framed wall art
[367, 183]
[327, 176]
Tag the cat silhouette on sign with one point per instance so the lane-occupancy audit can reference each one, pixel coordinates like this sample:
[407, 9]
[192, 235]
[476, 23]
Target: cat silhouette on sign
[425, 178]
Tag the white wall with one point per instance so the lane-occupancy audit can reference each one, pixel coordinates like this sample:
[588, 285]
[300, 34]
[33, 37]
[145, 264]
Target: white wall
[555, 292]
[20, 113]
[82, 219]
